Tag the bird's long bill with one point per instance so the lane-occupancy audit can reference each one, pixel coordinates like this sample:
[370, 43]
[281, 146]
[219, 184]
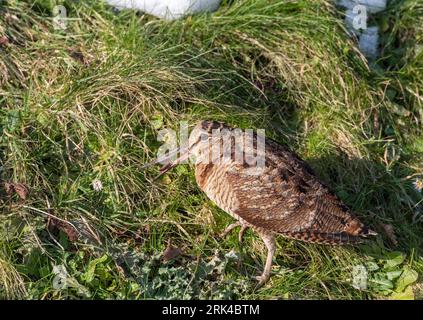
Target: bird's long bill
[167, 161]
[164, 159]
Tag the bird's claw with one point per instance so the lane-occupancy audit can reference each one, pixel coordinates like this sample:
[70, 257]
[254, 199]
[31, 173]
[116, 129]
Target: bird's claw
[262, 279]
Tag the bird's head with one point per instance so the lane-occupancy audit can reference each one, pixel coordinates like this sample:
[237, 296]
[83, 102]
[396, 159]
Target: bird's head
[196, 149]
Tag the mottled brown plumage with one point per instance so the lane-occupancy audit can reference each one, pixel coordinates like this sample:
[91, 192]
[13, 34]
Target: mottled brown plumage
[283, 197]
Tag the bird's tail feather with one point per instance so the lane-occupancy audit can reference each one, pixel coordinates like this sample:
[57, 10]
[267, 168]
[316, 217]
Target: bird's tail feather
[324, 238]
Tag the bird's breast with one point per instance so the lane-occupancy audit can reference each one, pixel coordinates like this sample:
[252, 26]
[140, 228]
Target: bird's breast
[211, 180]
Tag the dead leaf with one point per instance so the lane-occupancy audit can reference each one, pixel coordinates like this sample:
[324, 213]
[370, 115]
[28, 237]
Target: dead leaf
[19, 188]
[388, 229]
[171, 252]
[4, 41]
[9, 188]
[79, 56]
[54, 225]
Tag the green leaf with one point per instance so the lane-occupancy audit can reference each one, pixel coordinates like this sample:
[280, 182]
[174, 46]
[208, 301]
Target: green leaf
[391, 275]
[14, 118]
[157, 121]
[89, 274]
[181, 170]
[408, 294]
[407, 277]
[394, 259]
[381, 283]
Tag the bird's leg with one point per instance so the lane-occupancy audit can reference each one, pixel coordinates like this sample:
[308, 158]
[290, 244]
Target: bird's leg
[269, 241]
[230, 228]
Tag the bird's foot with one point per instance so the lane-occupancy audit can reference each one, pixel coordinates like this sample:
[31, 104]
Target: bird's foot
[262, 279]
[229, 229]
[233, 226]
[269, 241]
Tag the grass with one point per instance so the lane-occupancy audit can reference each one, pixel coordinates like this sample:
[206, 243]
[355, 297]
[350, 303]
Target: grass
[86, 104]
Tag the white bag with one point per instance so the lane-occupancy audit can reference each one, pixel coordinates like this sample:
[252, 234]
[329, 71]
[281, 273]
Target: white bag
[167, 9]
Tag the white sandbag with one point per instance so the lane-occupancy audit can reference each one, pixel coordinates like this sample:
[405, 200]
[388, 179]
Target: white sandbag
[167, 9]
[373, 6]
[369, 42]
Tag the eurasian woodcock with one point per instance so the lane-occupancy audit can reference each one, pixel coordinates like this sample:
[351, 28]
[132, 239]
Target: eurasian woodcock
[271, 190]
